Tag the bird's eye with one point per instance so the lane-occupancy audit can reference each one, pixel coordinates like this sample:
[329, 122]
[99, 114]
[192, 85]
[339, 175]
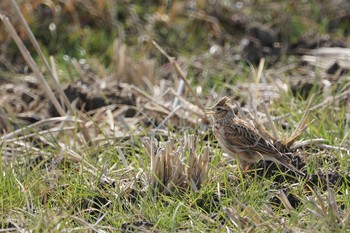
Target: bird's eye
[218, 109]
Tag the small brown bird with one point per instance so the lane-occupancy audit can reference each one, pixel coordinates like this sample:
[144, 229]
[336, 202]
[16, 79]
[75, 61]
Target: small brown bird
[242, 140]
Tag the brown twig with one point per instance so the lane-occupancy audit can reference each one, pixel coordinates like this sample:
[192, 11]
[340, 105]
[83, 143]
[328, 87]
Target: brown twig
[37, 124]
[302, 125]
[269, 118]
[30, 61]
[59, 86]
[41, 55]
[181, 73]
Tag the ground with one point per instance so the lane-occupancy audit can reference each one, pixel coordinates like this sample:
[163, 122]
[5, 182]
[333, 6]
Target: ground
[119, 139]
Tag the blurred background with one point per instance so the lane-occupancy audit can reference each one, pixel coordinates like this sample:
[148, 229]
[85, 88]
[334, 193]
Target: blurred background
[240, 30]
[219, 44]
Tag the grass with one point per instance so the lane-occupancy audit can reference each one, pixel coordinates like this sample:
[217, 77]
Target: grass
[60, 191]
[56, 193]
[92, 172]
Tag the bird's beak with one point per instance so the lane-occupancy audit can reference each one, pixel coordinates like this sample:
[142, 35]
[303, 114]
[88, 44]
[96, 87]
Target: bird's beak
[210, 112]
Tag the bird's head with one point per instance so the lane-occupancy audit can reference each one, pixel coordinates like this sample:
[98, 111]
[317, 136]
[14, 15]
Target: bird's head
[221, 109]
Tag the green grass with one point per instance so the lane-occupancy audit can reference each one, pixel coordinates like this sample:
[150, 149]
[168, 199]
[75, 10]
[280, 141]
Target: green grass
[76, 186]
[56, 193]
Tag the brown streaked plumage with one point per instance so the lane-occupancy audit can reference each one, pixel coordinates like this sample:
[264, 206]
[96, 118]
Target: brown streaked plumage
[242, 140]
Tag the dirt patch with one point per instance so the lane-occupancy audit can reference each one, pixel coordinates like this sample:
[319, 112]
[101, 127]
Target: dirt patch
[91, 94]
[24, 102]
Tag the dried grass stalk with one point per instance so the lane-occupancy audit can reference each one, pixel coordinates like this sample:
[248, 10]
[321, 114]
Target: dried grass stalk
[168, 172]
[51, 70]
[181, 74]
[140, 73]
[30, 61]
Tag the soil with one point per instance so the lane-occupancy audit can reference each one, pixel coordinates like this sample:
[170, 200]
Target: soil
[23, 101]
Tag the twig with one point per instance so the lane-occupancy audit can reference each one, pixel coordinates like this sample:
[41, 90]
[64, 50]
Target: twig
[271, 123]
[4, 121]
[260, 69]
[302, 124]
[330, 100]
[37, 124]
[30, 35]
[48, 131]
[41, 54]
[181, 73]
[144, 94]
[172, 113]
[88, 226]
[329, 147]
[309, 142]
[122, 158]
[12, 222]
[343, 140]
[77, 68]
[59, 86]
[30, 61]
[86, 166]
[186, 105]
[178, 93]
[282, 196]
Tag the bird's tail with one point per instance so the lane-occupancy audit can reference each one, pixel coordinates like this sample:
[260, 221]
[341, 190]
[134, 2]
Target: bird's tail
[285, 161]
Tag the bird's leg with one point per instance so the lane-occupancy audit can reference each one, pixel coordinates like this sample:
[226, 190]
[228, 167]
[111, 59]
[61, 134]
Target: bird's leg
[245, 166]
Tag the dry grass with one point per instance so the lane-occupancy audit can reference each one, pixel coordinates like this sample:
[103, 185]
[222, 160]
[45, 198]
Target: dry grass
[146, 160]
[168, 172]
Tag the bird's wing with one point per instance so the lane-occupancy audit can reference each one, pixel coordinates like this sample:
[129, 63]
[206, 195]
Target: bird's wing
[246, 136]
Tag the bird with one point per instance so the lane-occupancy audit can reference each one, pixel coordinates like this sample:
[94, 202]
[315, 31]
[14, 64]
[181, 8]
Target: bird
[240, 139]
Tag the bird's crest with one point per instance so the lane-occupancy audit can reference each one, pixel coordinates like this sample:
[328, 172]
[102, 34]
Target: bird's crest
[224, 101]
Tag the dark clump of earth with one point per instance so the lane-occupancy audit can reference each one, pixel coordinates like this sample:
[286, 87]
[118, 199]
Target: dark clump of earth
[91, 94]
[136, 226]
[321, 180]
